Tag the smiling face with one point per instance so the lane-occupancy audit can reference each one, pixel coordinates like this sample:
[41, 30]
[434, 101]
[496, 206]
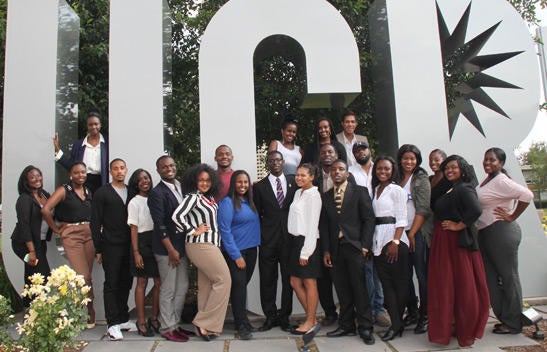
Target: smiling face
[78, 174]
[204, 182]
[384, 171]
[339, 172]
[409, 162]
[241, 185]
[93, 125]
[289, 133]
[349, 124]
[167, 169]
[327, 155]
[303, 178]
[224, 157]
[144, 183]
[452, 171]
[324, 129]
[34, 179]
[491, 164]
[275, 163]
[435, 161]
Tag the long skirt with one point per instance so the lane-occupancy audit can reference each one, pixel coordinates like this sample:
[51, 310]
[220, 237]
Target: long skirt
[458, 298]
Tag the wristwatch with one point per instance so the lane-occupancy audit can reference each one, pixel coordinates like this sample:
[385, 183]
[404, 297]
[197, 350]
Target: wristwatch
[397, 242]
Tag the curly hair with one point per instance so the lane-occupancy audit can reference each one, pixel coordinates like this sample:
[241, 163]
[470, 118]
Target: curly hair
[22, 184]
[133, 184]
[190, 180]
[466, 173]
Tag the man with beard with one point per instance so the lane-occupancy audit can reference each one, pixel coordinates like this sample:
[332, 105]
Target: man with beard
[224, 158]
[362, 172]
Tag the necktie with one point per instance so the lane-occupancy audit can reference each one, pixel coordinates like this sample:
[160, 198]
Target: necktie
[279, 190]
[338, 199]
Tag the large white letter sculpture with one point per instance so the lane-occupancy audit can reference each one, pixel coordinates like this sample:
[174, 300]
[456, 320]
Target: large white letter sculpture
[226, 88]
[498, 106]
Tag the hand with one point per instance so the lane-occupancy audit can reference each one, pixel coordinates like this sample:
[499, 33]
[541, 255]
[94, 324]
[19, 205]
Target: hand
[365, 252]
[32, 260]
[99, 258]
[412, 242]
[60, 230]
[303, 262]
[240, 263]
[450, 225]
[501, 214]
[56, 142]
[139, 262]
[174, 258]
[392, 253]
[327, 260]
[203, 228]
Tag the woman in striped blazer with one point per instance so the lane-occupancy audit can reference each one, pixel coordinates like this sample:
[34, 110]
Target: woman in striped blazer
[196, 217]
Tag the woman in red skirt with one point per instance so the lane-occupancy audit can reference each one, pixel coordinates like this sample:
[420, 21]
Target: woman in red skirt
[458, 295]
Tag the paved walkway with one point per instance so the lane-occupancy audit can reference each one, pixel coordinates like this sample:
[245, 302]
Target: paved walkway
[276, 340]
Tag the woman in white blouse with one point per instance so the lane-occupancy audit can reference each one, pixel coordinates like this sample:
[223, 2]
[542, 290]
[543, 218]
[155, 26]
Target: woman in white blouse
[305, 259]
[390, 242]
[502, 201]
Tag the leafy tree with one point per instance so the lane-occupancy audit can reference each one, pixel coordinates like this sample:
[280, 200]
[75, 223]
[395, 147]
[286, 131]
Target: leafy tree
[536, 158]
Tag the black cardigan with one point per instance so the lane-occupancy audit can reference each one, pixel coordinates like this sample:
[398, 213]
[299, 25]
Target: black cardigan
[29, 224]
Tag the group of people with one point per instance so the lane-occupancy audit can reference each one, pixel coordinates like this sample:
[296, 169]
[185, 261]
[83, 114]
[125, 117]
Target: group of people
[326, 215]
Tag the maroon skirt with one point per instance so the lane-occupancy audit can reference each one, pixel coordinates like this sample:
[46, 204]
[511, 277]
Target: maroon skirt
[458, 298]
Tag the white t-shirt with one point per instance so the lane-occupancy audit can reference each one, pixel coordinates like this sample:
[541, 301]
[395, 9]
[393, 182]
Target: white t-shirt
[138, 214]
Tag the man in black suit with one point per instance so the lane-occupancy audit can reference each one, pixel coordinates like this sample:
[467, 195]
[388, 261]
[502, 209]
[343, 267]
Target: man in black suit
[112, 240]
[346, 228]
[273, 196]
[168, 248]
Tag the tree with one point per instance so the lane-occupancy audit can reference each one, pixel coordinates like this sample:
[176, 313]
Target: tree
[536, 158]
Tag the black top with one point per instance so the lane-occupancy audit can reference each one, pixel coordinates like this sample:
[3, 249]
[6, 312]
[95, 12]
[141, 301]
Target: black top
[311, 152]
[29, 223]
[109, 219]
[460, 203]
[73, 209]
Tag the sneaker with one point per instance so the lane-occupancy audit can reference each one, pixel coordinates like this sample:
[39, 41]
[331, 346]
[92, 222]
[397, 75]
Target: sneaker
[114, 333]
[128, 326]
[382, 319]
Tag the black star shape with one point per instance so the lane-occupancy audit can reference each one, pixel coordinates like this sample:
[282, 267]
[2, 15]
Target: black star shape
[463, 71]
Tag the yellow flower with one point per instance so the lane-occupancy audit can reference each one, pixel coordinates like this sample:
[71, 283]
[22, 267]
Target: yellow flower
[63, 290]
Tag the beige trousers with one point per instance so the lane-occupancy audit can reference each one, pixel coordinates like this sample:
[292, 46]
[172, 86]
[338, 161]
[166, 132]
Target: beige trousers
[79, 250]
[214, 283]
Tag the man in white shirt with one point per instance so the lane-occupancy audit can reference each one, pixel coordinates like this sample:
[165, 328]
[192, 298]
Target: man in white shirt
[348, 137]
[92, 150]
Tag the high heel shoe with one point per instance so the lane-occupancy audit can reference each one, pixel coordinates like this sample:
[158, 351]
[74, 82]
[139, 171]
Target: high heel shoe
[146, 333]
[390, 334]
[205, 336]
[156, 327]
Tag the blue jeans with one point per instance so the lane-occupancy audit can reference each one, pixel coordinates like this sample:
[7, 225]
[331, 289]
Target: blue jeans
[374, 288]
[418, 261]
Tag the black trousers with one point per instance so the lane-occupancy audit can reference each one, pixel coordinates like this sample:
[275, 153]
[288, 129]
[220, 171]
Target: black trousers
[93, 182]
[348, 274]
[240, 279]
[117, 283]
[272, 257]
[324, 288]
[41, 268]
[394, 278]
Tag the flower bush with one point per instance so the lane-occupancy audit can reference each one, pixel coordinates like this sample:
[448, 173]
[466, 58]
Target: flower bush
[57, 313]
[6, 319]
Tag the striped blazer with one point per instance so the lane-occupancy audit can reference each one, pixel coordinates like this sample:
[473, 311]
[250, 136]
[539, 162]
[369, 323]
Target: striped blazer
[195, 210]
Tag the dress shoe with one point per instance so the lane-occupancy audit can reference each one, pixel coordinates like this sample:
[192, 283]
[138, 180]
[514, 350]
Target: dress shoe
[250, 327]
[367, 336]
[390, 334]
[285, 325]
[329, 320]
[269, 324]
[410, 319]
[339, 332]
[504, 330]
[421, 326]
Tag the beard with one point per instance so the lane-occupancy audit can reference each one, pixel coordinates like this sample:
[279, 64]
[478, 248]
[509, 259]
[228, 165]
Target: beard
[363, 161]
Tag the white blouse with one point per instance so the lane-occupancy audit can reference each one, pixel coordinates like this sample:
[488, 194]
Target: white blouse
[304, 216]
[138, 214]
[392, 202]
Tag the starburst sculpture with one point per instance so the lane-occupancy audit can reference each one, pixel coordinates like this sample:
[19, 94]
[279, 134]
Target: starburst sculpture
[463, 74]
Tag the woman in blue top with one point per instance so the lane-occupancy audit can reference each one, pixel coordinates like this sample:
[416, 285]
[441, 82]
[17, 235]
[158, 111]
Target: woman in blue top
[239, 227]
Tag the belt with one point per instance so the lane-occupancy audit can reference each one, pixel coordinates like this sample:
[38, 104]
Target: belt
[382, 220]
[77, 223]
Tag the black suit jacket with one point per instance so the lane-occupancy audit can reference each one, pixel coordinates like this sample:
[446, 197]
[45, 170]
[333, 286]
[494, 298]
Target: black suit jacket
[356, 219]
[29, 224]
[273, 218]
[162, 203]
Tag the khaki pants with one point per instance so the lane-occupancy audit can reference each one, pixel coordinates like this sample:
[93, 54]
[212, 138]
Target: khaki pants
[80, 251]
[214, 285]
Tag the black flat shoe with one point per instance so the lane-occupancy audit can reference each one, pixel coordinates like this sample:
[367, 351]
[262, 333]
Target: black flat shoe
[421, 327]
[154, 324]
[504, 330]
[410, 319]
[205, 337]
[269, 324]
[340, 332]
[294, 330]
[147, 332]
[390, 334]
[310, 334]
[368, 337]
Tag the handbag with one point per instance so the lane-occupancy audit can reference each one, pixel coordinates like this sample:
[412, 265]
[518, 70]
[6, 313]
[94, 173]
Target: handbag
[468, 238]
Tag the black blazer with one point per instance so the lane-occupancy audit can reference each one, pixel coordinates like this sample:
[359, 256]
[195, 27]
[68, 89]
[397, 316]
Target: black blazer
[273, 218]
[162, 203]
[356, 219]
[29, 224]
